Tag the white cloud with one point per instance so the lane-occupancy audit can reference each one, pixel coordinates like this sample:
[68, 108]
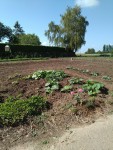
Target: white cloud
[87, 3]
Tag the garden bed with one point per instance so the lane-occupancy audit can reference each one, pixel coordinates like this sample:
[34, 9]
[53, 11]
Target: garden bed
[68, 101]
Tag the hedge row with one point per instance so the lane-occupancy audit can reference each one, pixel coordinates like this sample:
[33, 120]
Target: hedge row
[30, 51]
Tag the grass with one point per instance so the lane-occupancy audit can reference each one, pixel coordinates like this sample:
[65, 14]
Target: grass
[21, 59]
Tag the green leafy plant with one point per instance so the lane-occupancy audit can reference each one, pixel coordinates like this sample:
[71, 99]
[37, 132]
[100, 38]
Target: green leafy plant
[14, 111]
[75, 81]
[45, 142]
[93, 87]
[68, 105]
[39, 74]
[77, 97]
[90, 104]
[51, 86]
[85, 71]
[95, 74]
[69, 67]
[106, 78]
[66, 88]
[55, 75]
[49, 75]
[52, 77]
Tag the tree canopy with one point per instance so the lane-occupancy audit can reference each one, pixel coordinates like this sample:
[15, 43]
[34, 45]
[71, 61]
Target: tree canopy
[29, 39]
[71, 31]
[17, 35]
[5, 31]
[90, 51]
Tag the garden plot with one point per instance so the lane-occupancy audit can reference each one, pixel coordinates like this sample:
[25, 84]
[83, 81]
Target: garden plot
[41, 98]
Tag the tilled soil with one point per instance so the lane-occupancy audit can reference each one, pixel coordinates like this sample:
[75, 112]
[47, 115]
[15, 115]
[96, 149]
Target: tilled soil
[60, 114]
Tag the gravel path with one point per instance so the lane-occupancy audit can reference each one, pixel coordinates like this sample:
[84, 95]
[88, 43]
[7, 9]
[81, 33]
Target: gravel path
[97, 136]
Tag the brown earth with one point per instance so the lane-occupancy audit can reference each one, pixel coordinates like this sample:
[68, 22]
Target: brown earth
[64, 112]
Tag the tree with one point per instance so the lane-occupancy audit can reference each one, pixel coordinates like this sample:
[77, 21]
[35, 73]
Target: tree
[5, 31]
[74, 27]
[17, 31]
[90, 51]
[107, 48]
[53, 33]
[71, 32]
[30, 39]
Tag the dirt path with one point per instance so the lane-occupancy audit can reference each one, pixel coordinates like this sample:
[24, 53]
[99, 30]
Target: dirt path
[97, 136]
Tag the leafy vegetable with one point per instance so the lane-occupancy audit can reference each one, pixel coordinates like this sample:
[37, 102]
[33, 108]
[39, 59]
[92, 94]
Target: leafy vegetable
[93, 87]
[66, 88]
[51, 86]
[76, 81]
[106, 77]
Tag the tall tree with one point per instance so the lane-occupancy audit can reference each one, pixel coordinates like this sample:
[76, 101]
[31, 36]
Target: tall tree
[71, 32]
[17, 31]
[30, 39]
[74, 27]
[53, 33]
[5, 31]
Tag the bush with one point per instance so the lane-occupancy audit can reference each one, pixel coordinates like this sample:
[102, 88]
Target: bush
[14, 111]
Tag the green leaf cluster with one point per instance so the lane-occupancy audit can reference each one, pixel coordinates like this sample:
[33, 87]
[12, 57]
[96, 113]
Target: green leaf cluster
[49, 75]
[66, 88]
[71, 31]
[75, 81]
[93, 87]
[95, 74]
[39, 74]
[14, 111]
[106, 78]
[52, 77]
[51, 86]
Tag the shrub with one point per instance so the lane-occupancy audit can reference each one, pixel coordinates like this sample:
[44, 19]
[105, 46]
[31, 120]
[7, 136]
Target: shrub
[14, 111]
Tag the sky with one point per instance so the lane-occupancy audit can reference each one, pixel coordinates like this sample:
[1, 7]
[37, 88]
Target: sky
[34, 16]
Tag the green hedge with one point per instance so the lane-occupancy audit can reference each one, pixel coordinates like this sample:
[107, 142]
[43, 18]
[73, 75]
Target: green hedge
[30, 51]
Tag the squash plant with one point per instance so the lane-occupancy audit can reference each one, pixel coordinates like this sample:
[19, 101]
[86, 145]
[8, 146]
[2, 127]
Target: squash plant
[51, 86]
[93, 87]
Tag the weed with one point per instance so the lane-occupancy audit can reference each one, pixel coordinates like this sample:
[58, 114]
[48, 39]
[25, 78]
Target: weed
[45, 142]
[69, 67]
[68, 105]
[15, 82]
[90, 104]
[74, 110]
[78, 98]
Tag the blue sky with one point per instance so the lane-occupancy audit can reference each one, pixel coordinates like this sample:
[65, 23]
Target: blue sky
[34, 16]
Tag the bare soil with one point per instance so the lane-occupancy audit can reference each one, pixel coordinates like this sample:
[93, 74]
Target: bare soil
[60, 115]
